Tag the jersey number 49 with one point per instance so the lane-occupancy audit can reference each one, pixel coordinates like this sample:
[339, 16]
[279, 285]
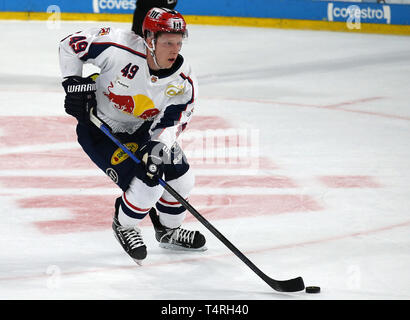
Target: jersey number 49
[77, 44]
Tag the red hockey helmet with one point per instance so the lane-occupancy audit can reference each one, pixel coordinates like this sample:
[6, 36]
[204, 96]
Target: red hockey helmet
[163, 20]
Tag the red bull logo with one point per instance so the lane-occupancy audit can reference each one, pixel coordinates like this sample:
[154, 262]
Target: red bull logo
[139, 105]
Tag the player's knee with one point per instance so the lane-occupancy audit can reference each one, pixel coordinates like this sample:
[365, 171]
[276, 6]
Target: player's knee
[142, 195]
[183, 184]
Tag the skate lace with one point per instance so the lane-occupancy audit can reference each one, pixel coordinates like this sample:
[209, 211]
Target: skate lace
[183, 235]
[133, 237]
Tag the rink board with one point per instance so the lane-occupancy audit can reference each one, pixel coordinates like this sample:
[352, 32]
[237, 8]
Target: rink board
[286, 14]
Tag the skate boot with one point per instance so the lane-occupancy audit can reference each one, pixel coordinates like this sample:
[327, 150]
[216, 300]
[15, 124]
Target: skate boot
[177, 238]
[129, 237]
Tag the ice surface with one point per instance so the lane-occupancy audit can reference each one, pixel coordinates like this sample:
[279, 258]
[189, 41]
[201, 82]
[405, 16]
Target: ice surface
[325, 120]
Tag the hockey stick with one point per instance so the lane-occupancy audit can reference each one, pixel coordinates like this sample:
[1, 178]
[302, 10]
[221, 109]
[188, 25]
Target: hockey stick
[290, 285]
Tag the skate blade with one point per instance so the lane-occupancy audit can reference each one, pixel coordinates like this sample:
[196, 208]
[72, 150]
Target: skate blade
[139, 262]
[171, 246]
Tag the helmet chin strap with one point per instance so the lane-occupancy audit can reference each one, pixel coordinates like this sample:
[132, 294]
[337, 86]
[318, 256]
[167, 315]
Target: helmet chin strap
[152, 52]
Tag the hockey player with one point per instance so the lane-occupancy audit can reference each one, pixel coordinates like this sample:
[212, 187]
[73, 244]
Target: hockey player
[145, 93]
[143, 6]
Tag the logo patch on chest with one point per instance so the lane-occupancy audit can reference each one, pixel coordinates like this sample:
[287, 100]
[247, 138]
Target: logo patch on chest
[173, 90]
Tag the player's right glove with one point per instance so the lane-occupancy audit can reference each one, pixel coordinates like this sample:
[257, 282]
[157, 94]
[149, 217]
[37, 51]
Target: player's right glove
[80, 96]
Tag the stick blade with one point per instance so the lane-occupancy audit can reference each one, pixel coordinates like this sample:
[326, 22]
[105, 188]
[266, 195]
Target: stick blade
[291, 285]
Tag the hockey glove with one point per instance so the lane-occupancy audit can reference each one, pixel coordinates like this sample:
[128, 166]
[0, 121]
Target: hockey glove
[154, 155]
[80, 96]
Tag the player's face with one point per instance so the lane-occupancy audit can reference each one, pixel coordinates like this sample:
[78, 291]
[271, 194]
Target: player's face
[167, 48]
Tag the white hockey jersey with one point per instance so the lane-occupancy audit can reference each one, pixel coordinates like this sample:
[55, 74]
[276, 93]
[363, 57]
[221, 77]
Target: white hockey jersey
[128, 92]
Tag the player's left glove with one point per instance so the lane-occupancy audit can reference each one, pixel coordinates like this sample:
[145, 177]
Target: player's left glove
[154, 155]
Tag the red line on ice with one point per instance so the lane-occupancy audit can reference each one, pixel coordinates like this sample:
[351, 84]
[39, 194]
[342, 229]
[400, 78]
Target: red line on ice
[29, 130]
[328, 107]
[349, 182]
[95, 212]
[26, 130]
[87, 182]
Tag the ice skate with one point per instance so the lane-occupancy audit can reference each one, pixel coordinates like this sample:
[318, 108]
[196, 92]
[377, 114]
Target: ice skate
[130, 239]
[177, 238]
